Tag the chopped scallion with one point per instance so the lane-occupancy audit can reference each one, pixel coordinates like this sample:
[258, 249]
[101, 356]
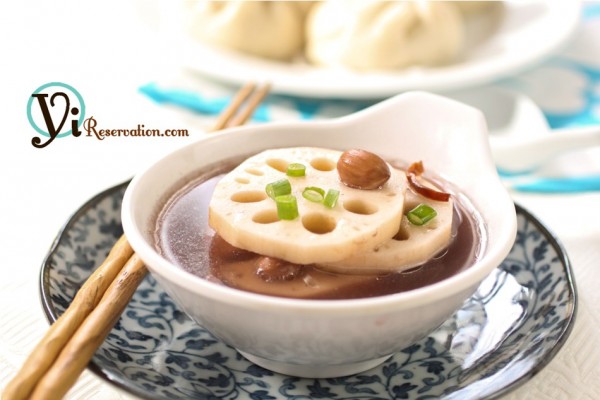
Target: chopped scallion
[314, 194]
[296, 169]
[316, 189]
[287, 207]
[278, 188]
[421, 214]
[331, 198]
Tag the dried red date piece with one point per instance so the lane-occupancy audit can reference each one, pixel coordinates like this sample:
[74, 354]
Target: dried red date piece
[413, 171]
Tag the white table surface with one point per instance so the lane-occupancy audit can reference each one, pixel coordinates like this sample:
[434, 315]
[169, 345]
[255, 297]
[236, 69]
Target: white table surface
[103, 51]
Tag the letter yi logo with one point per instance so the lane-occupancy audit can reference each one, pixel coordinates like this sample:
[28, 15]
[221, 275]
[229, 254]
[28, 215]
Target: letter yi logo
[55, 110]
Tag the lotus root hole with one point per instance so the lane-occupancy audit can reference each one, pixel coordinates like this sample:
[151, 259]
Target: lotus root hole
[318, 223]
[265, 217]
[248, 196]
[242, 180]
[360, 207]
[322, 164]
[254, 171]
[402, 233]
[278, 164]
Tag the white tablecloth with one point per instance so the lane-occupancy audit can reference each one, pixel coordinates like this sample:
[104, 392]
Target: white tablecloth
[103, 51]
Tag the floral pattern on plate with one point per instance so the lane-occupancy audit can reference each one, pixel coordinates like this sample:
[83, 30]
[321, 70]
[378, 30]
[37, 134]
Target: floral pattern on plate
[513, 326]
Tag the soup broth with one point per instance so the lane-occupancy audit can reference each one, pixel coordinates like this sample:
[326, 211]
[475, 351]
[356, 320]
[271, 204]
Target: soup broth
[184, 238]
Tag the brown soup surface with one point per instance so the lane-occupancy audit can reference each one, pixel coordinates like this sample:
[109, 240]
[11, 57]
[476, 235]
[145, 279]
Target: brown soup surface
[184, 238]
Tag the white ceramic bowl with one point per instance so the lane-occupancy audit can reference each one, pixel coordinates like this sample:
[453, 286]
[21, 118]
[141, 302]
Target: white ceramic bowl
[327, 338]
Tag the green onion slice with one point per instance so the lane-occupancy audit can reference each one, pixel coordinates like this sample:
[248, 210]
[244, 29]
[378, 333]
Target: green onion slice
[314, 194]
[296, 169]
[279, 188]
[331, 198]
[316, 189]
[421, 214]
[287, 207]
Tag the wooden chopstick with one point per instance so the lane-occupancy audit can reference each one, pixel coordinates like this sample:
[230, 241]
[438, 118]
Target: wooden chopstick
[235, 114]
[71, 341]
[74, 357]
[59, 333]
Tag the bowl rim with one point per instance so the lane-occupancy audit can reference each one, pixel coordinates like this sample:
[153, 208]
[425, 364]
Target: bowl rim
[468, 279]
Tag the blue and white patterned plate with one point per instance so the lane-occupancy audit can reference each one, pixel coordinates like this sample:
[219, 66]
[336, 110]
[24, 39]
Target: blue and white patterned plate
[510, 329]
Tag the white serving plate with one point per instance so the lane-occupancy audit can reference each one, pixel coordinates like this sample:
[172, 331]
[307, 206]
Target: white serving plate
[499, 45]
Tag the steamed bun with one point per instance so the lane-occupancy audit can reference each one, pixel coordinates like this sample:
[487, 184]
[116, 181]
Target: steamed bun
[271, 29]
[367, 35]
[474, 7]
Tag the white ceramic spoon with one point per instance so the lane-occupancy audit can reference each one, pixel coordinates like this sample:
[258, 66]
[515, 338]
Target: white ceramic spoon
[519, 134]
[522, 141]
